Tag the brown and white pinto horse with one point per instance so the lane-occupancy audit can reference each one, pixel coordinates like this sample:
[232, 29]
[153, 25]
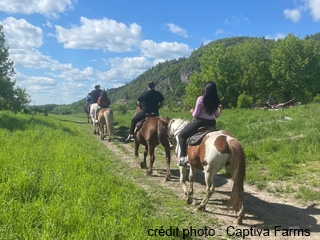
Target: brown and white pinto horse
[154, 131]
[105, 119]
[217, 149]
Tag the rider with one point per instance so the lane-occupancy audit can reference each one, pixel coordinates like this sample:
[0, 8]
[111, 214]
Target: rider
[151, 101]
[89, 98]
[206, 110]
[103, 101]
[95, 94]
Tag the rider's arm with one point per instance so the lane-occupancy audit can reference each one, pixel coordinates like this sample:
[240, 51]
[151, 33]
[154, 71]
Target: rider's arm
[161, 104]
[197, 109]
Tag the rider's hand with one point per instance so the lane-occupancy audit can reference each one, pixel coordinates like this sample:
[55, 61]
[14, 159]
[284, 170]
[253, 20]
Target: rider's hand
[191, 110]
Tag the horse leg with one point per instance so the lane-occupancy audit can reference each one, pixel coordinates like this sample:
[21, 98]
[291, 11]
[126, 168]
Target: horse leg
[168, 159]
[101, 130]
[152, 158]
[145, 154]
[191, 180]
[209, 188]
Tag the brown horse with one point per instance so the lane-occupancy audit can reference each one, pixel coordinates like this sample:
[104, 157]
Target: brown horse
[217, 150]
[105, 119]
[153, 132]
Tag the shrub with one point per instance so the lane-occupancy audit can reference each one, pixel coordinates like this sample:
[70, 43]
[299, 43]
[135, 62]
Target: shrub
[244, 101]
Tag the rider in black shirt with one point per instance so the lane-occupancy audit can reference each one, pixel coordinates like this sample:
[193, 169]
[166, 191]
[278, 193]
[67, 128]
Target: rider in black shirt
[95, 94]
[151, 101]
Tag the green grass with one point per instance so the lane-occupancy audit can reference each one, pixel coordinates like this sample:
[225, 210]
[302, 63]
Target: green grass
[57, 182]
[276, 149]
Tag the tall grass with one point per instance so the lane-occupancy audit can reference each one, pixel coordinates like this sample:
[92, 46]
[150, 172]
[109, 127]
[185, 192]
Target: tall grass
[56, 182]
[279, 145]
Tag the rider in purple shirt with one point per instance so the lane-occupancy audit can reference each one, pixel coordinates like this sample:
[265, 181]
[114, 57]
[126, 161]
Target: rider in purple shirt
[205, 113]
[199, 111]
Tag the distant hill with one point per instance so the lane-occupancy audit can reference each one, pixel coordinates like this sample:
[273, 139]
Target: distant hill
[170, 77]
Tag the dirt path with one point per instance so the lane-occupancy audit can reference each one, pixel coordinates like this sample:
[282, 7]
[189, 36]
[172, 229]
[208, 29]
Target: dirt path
[264, 211]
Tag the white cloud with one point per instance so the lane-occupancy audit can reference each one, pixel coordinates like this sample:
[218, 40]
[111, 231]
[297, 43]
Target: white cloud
[276, 37]
[21, 34]
[117, 85]
[207, 41]
[236, 20]
[124, 69]
[177, 30]
[49, 24]
[75, 75]
[314, 6]
[164, 50]
[32, 58]
[46, 7]
[293, 14]
[219, 31]
[36, 85]
[95, 34]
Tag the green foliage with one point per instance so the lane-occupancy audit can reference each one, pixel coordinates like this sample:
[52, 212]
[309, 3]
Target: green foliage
[122, 108]
[244, 101]
[10, 97]
[286, 69]
[317, 98]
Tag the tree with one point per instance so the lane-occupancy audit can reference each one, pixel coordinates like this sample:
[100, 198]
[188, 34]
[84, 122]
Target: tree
[10, 97]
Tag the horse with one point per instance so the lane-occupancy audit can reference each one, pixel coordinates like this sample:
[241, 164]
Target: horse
[154, 131]
[93, 114]
[216, 150]
[86, 109]
[105, 119]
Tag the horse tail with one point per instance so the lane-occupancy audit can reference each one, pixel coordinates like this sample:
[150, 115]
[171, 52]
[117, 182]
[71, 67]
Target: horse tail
[109, 122]
[238, 175]
[163, 136]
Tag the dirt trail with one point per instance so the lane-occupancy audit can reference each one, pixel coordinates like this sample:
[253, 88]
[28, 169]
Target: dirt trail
[263, 210]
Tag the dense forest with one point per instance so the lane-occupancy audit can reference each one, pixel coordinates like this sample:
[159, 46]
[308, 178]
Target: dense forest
[246, 70]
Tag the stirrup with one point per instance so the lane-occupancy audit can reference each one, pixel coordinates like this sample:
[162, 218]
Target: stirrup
[183, 161]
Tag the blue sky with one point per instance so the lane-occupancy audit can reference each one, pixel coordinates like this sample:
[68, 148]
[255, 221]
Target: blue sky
[62, 48]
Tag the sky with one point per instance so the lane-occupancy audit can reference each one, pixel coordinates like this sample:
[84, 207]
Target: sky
[62, 48]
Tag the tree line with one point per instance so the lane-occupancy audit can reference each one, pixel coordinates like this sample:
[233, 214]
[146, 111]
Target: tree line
[257, 70]
[11, 97]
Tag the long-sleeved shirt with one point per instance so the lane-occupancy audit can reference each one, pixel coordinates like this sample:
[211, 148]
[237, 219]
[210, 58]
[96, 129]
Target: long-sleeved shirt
[199, 111]
[104, 103]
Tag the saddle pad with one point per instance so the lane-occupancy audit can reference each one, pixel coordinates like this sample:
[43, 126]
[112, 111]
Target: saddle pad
[197, 138]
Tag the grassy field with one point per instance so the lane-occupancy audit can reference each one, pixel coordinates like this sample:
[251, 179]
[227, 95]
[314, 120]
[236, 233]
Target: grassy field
[57, 182]
[282, 147]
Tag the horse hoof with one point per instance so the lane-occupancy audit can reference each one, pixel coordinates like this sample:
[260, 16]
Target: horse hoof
[239, 221]
[189, 200]
[201, 208]
[167, 179]
[143, 165]
[149, 172]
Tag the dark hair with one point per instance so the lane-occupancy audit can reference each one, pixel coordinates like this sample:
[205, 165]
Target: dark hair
[97, 86]
[210, 98]
[150, 85]
[103, 94]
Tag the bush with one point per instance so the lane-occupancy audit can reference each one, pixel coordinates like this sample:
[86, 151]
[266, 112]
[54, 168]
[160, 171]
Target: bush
[244, 101]
[122, 108]
[317, 98]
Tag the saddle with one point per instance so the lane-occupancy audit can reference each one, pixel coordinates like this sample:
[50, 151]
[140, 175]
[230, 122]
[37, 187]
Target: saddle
[199, 135]
[140, 123]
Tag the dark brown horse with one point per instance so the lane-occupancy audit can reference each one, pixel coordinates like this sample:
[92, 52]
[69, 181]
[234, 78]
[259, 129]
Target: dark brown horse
[153, 132]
